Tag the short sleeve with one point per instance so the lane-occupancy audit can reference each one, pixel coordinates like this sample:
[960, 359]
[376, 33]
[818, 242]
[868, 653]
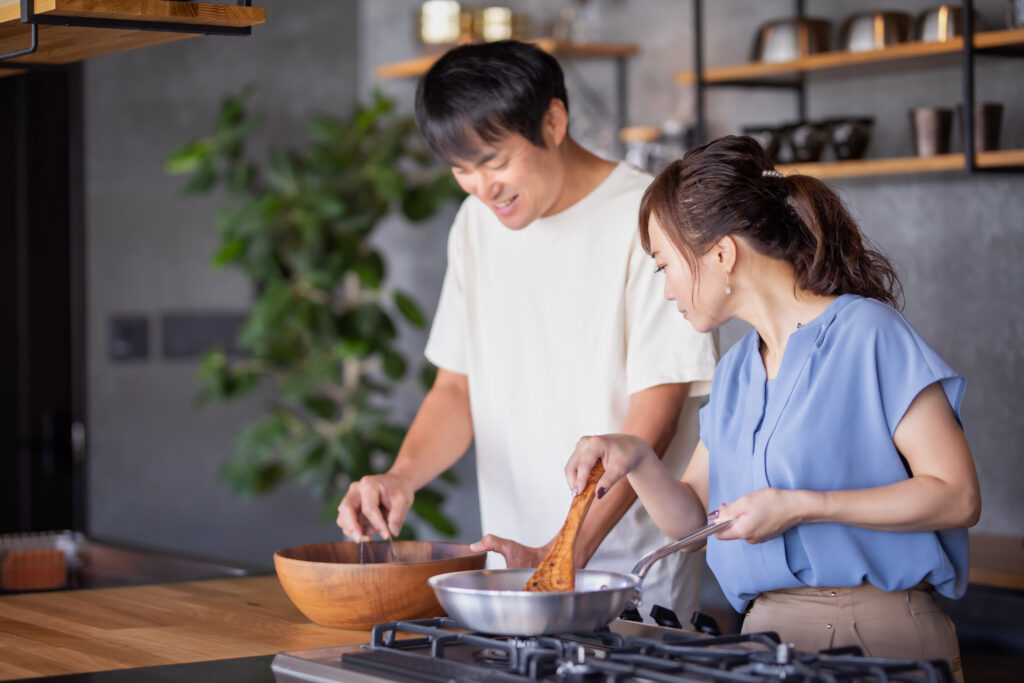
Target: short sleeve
[905, 364]
[661, 346]
[446, 344]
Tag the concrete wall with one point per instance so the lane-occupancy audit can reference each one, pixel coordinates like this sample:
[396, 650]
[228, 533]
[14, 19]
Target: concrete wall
[153, 455]
[955, 238]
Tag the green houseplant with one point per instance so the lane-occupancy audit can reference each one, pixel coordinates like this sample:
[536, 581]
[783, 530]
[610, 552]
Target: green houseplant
[321, 333]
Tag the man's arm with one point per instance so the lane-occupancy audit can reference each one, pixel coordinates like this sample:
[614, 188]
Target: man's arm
[438, 437]
[653, 415]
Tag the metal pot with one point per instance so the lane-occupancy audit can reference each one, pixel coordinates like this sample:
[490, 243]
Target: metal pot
[942, 23]
[867, 31]
[493, 600]
[784, 40]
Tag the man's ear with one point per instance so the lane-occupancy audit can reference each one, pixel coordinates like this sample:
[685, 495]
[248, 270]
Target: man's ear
[556, 122]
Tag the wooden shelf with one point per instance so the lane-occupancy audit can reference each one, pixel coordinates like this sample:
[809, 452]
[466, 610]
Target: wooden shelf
[768, 71]
[66, 44]
[417, 66]
[903, 165]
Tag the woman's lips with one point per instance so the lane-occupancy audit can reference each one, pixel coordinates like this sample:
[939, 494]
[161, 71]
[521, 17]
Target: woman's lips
[506, 207]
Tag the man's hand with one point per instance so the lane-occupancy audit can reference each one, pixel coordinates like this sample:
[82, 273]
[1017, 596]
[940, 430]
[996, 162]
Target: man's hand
[363, 509]
[516, 555]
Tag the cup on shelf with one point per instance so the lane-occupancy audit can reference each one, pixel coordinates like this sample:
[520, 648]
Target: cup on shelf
[806, 140]
[988, 117]
[769, 137]
[849, 136]
[932, 127]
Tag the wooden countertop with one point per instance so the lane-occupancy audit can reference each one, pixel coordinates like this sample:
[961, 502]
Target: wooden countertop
[65, 632]
[68, 632]
[997, 561]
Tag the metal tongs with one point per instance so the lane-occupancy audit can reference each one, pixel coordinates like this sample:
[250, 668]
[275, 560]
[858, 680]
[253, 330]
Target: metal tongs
[391, 551]
[644, 565]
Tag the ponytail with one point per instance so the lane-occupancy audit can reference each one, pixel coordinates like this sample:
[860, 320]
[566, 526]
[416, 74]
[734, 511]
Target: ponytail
[839, 261]
[728, 187]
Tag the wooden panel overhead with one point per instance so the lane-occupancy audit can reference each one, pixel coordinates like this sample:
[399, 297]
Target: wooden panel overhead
[66, 44]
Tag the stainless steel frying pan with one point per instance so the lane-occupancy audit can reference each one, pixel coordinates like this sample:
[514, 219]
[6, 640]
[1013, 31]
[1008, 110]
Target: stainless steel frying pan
[493, 600]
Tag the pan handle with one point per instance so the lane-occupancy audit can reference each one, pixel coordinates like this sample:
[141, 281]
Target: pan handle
[648, 560]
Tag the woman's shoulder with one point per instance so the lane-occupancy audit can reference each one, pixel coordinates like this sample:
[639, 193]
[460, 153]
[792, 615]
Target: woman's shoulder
[865, 318]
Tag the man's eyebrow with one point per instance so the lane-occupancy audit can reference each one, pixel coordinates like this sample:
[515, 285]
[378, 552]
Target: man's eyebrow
[480, 161]
[484, 158]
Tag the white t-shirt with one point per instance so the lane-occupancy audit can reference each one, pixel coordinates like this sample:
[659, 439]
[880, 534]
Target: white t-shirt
[555, 325]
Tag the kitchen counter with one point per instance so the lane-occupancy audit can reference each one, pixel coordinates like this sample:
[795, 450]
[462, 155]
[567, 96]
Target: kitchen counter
[104, 629]
[66, 632]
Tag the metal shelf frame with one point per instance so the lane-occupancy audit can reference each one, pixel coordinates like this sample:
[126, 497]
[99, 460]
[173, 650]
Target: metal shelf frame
[798, 86]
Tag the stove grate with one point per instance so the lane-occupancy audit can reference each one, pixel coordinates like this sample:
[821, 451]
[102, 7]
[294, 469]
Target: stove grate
[606, 656]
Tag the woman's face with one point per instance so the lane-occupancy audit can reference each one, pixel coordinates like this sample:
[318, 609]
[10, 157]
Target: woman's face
[698, 296]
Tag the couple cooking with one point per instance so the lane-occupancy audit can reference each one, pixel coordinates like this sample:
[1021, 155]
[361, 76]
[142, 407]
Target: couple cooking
[831, 436]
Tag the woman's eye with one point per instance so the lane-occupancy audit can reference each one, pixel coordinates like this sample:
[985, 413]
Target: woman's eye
[659, 269]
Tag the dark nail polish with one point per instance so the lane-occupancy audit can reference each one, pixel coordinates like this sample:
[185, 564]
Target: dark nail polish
[601, 492]
[713, 515]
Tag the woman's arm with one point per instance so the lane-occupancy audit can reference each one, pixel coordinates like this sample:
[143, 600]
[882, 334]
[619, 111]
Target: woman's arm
[943, 492]
[676, 506]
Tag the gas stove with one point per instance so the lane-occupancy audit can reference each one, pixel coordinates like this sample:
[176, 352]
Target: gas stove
[628, 651]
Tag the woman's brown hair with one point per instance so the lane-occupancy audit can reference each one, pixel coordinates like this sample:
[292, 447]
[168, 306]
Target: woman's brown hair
[719, 189]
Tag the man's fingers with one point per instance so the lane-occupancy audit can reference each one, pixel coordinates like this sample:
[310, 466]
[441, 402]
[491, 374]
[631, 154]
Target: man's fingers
[370, 507]
[348, 518]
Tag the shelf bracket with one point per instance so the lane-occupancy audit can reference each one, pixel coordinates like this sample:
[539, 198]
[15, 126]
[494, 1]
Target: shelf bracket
[20, 53]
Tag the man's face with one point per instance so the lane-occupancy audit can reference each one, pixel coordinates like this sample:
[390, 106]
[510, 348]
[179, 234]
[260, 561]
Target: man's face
[519, 181]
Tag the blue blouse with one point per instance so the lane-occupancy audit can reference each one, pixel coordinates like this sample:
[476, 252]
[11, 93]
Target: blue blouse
[826, 422]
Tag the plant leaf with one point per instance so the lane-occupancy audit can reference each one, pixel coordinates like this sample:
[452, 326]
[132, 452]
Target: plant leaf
[408, 308]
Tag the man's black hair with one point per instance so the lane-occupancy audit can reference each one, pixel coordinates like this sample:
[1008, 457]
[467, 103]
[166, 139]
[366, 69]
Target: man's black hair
[492, 90]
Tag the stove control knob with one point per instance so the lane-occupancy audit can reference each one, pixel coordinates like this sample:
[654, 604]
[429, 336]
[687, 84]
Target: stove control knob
[663, 616]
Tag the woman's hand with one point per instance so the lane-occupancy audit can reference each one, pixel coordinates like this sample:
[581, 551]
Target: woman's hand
[764, 514]
[516, 555]
[619, 453]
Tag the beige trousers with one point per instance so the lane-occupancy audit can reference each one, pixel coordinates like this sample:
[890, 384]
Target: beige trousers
[906, 624]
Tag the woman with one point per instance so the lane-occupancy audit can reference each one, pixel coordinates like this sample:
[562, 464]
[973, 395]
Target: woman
[832, 436]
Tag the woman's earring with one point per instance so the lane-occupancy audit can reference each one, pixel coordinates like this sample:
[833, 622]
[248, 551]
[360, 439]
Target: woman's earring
[728, 289]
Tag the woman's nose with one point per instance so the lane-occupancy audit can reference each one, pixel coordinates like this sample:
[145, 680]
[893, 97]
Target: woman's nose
[668, 291]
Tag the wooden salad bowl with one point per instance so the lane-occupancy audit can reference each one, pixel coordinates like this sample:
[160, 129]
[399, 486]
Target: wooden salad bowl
[335, 586]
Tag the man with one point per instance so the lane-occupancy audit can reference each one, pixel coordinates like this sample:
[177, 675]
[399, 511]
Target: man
[551, 325]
